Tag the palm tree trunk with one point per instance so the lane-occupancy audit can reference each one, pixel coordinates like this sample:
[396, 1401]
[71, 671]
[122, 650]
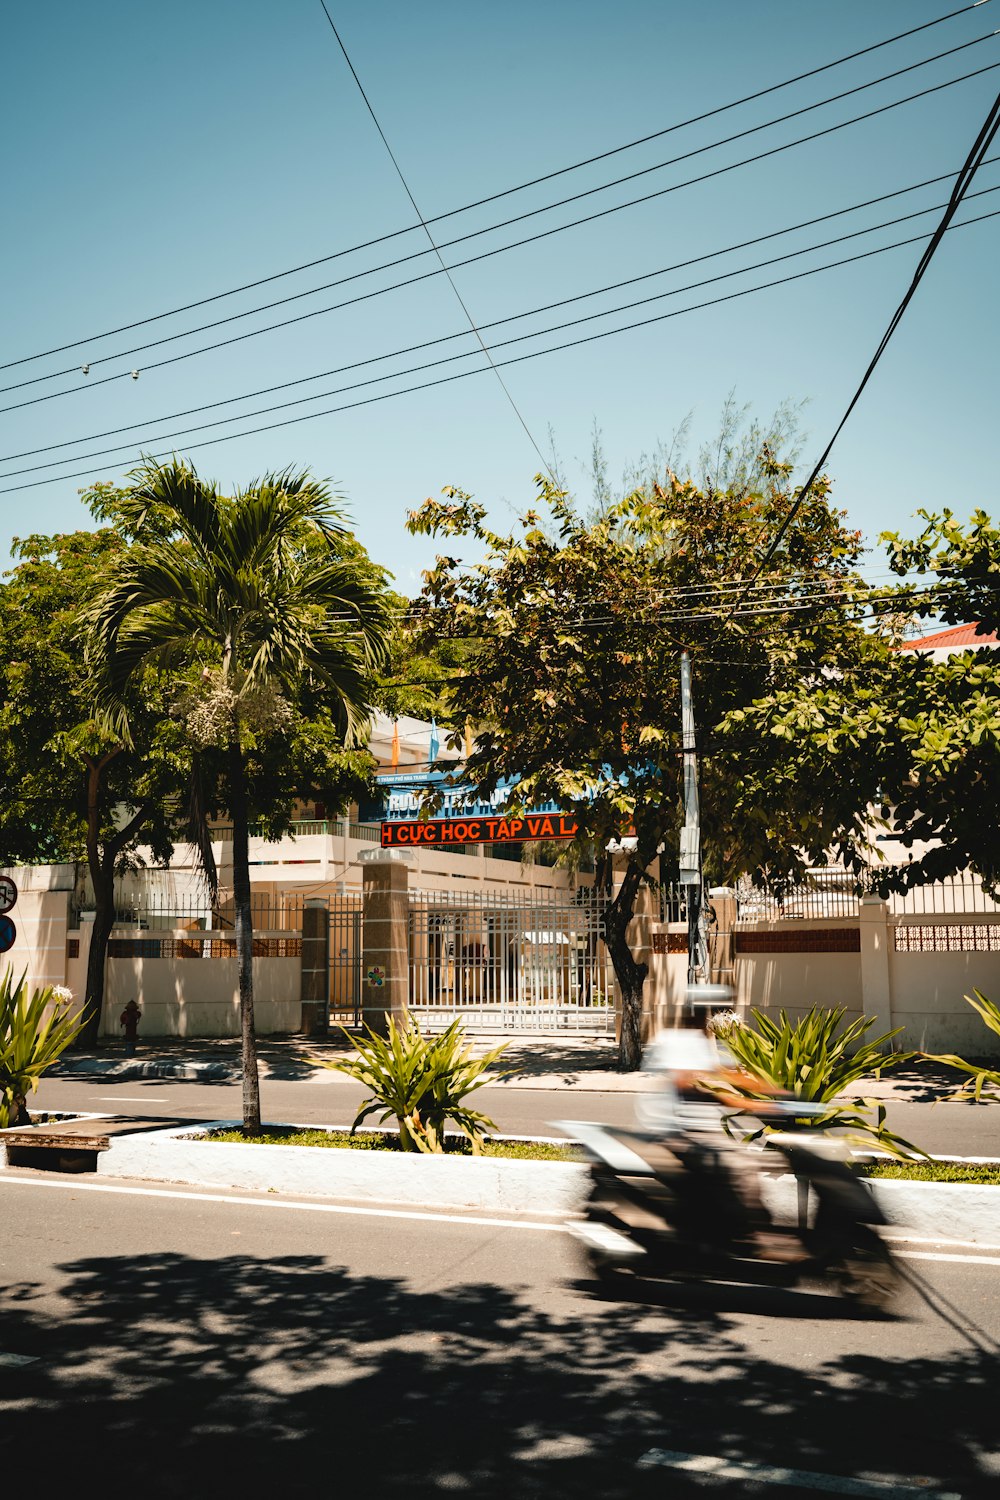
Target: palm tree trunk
[102, 875]
[104, 921]
[244, 938]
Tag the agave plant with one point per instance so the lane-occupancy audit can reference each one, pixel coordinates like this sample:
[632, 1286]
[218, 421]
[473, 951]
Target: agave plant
[421, 1082]
[816, 1061]
[983, 1084]
[33, 1033]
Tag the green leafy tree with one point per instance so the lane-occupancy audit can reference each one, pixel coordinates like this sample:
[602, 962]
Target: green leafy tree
[76, 786]
[916, 742]
[573, 631]
[266, 627]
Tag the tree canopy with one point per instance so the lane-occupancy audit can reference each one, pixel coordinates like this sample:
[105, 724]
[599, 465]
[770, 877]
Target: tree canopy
[573, 631]
[272, 638]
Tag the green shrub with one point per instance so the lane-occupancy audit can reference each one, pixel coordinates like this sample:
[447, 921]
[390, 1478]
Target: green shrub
[421, 1082]
[816, 1061]
[30, 1041]
[983, 1084]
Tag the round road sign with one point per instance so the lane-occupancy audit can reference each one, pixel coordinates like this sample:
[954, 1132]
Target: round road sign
[8, 934]
[8, 894]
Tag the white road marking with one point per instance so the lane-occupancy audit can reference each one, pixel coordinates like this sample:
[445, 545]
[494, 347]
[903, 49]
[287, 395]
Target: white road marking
[933, 1239]
[361, 1211]
[830, 1484]
[129, 1099]
[16, 1361]
[965, 1260]
[318, 1207]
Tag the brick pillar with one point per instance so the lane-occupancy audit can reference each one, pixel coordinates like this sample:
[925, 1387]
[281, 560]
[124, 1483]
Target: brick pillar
[385, 966]
[315, 968]
[876, 989]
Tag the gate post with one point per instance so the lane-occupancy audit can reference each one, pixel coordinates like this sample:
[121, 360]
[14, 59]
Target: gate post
[315, 967]
[385, 976]
[876, 987]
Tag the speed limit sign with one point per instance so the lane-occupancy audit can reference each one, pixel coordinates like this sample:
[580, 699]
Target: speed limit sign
[8, 894]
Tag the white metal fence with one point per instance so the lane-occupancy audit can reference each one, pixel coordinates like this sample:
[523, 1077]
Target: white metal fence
[506, 962]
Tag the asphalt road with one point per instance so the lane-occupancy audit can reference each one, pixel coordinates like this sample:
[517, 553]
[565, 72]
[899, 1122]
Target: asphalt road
[325, 1098]
[181, 1343]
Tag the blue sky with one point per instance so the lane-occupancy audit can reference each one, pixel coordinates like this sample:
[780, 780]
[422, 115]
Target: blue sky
[155, 155]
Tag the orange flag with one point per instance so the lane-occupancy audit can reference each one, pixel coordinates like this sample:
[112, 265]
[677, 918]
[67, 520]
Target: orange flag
[394, 754]
[468, 739]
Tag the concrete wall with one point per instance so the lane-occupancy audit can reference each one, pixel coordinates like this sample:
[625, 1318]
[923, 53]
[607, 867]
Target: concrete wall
[200, 997]
[41, 918]
[928, 987]
[800, 971]
[902, 971]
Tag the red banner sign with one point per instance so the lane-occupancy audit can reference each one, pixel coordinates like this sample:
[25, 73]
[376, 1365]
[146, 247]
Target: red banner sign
[441, 832]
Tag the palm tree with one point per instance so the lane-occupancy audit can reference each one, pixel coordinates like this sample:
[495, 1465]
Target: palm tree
[251, 590]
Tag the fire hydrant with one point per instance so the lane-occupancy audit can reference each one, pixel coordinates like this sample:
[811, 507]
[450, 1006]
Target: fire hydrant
[130, 1018]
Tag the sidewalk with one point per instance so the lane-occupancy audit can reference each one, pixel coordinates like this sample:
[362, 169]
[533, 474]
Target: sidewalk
[584, 1064]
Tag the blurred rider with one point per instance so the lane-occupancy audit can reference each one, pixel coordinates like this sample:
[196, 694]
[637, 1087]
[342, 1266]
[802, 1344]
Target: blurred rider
[699, 1080]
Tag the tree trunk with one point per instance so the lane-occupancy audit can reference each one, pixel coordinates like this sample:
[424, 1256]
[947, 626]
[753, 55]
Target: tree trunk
[631, 976]
[104, 920]
[102, 875]
[244, 938]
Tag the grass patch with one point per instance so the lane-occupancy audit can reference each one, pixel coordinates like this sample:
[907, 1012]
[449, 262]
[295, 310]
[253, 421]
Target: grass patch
[936, 1171]
[389, 1141]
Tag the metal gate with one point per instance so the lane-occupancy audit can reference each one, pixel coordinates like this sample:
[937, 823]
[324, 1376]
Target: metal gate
[503, 961]
[346, 951]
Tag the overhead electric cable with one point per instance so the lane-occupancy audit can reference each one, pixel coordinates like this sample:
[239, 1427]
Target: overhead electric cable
[531, 312]
[433, 244]
[516, 359]
[476, 234]
[973, 162]
[503, 193]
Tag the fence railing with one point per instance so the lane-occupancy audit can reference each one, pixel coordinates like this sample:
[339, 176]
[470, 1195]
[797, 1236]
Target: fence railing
[961, 895]
[155, 912]
[299, 828]
[810, 901]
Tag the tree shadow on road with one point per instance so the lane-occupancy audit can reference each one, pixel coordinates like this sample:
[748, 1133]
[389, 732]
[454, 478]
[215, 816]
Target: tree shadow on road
[171, 1375]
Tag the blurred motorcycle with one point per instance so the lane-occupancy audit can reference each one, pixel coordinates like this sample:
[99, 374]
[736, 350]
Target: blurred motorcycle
[689, 1204]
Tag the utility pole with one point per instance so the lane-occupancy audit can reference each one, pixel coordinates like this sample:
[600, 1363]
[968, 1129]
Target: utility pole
[690, 853]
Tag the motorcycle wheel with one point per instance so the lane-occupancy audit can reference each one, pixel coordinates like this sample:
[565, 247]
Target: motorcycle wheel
[867, 1274]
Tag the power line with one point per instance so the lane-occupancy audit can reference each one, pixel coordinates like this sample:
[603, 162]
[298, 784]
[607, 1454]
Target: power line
[545, 307]
[433, 244]
[972, 164]
[504, 193]
[515, 359]
[476, 234]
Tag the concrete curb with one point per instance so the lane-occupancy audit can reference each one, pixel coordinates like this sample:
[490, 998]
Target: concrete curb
[964, 1211]
[936, 1210]
[537, 1187]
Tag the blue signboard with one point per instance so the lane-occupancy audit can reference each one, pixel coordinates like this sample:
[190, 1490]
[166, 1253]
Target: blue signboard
[8, 934]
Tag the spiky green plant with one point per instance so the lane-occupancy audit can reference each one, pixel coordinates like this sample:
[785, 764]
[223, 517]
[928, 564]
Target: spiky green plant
[983, 1084]
[814, 1060]
[421, 1082]
[34, 1032]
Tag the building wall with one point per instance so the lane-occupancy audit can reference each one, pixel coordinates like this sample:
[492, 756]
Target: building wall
[794, 965]
[41, 917]
[188, 997]
[909, 972]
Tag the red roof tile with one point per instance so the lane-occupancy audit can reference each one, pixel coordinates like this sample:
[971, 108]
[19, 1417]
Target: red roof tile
[956, 635]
